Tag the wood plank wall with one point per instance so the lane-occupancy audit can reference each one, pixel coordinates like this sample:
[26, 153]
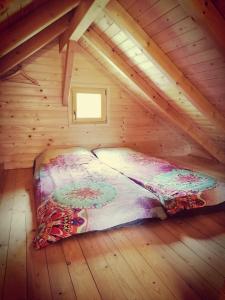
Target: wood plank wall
[33, 119]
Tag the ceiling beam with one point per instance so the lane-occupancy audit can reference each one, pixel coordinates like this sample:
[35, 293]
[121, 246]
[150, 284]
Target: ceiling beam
[12, 18]
[31, 46]
[159, 103]
[157, 56]
[84, 15]
[68, 72]
[208, 17]
[37, 20]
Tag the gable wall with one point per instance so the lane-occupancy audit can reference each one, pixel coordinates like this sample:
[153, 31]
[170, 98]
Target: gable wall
[33, 119]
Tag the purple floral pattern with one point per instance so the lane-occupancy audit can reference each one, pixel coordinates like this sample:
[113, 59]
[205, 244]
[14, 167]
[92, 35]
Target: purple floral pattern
[177, 188]
[75, 192]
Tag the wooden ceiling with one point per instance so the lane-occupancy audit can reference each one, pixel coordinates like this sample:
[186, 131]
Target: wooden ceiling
[9, 8]
[168, 52]
[13, 10]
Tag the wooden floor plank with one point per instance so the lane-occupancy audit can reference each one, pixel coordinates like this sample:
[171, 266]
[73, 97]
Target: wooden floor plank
[17, 289]
[3, 247]
[60, 281]
[108, 285]
[80, 274]
[130, 283]
[38, 283]
[194, 259]
[219, 218]
[16, 285]
[156, 258]
[38, 278]
[22, 195]
[182, 258]
[174, 259]
[7, 201]
[213, 232]
[150, 280]
[3, 259]
[195, 241]
[6, 205]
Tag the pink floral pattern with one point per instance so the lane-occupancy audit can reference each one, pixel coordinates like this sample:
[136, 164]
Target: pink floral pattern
[177, 188]
[57, 222]
[75, 192]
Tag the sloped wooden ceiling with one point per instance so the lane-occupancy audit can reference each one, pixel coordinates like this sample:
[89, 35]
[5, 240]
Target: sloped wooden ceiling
[185, 43]
[13, 10]
[9, 8]
[156, 48]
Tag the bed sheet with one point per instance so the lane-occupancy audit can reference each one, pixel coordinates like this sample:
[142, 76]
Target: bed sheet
[177, 188]
[75, 192]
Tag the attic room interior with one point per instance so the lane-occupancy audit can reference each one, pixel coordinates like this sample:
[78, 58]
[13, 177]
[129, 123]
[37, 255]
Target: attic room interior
[112, 149]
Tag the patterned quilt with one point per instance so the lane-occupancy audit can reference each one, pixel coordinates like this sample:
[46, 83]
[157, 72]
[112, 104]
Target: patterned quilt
[177, 188]
[75, 192]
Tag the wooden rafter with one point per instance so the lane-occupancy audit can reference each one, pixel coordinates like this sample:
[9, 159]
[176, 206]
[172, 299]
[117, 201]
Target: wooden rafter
[155, 54]
[68, 71]
[96, 42]
[83, 17]
[25, 9]
[208, 17]
[33, 45]
[33, 23]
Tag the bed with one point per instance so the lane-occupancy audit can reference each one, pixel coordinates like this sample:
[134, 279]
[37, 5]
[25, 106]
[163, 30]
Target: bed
[75, 192]
[178, 189]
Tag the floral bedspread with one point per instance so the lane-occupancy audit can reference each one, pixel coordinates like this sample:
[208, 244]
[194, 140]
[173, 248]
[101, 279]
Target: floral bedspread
[177, 188]
[75, 192]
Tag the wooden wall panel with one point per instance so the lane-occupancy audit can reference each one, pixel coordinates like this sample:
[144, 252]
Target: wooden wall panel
[33, 119]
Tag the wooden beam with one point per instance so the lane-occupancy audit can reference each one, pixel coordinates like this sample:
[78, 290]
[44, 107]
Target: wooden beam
[84, 15]
[155, 54]
[206, 14]
[68, 71]
[159, 103]
[33, 45]
[20, 14]
[33, 23]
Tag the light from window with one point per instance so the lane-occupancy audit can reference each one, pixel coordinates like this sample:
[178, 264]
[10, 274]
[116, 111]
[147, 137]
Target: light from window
[89, 105]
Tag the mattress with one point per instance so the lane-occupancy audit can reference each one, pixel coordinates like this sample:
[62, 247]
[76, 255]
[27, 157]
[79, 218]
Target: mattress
[75, 193]
[177, 188]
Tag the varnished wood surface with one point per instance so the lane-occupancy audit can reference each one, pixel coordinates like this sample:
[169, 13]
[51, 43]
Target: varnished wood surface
[154, 98]
[33, 119]
[180, 258]
[184, 42]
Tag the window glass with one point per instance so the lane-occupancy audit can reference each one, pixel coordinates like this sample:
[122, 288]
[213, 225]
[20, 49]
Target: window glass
[89, 105]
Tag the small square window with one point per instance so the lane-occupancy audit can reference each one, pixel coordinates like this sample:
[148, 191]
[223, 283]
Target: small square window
[89, 105]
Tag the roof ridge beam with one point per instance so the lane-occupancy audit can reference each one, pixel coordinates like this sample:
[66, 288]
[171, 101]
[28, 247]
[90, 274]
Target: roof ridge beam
[83, 17]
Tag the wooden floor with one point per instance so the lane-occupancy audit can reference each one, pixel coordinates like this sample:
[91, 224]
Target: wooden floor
[174, 259]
